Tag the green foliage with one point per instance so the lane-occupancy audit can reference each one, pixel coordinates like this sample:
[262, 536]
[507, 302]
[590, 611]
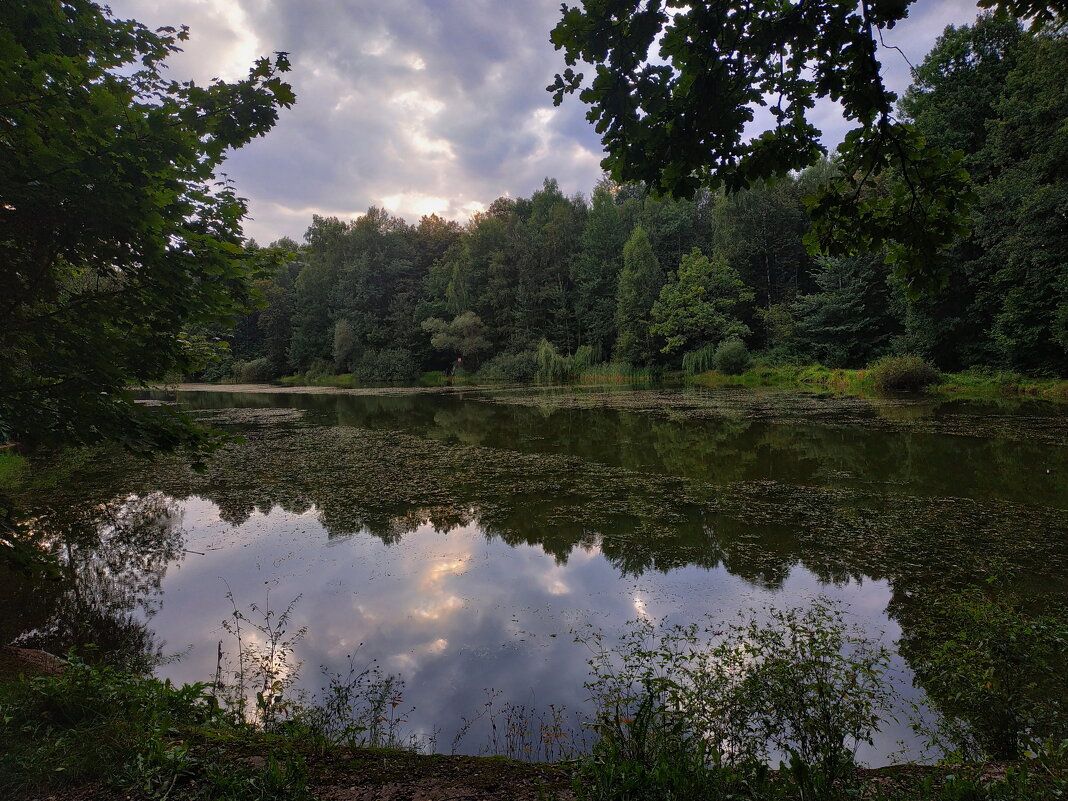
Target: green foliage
[902, 374]
[554, 367]
[257, 371]
[849, 321]
[732, 357]
[115, 237]
[389, 365]
[597, 270]
[273, 781]
[639, 287]
[993, 669]
[552, 267]
[759, 231]
[12, 468]
[674, 703]
[521, 366]
[100, 724]
[432, 378]
[956, 89]
[684, 770]
[85, 722]
[465, 336]
[700, 304]
[700, 360]
[684, 123]
[1022, 228]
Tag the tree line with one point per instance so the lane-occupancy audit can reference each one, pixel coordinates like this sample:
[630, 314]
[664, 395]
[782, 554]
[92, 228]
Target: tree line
[627, 277]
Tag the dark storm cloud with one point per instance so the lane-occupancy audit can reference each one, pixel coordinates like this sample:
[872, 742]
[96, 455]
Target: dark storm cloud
[420, 105]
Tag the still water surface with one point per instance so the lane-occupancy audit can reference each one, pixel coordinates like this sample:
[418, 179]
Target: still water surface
[461, 540]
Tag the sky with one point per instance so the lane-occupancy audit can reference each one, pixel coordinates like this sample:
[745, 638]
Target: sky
[422, 106]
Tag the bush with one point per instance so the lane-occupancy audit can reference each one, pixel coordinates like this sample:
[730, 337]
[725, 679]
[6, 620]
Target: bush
[257, 371]
[390, 365]
[732, 357]
[220, 368]
[433, 378]
[519, 366]
[801, 682]
[903, 374]
[88, 722]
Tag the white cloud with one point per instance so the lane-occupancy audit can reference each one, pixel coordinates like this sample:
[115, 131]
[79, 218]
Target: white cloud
[420, 105]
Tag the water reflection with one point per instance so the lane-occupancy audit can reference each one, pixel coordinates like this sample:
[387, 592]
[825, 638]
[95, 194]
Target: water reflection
[921, 447]
[113, 557]
[461, 539]
[454, 613]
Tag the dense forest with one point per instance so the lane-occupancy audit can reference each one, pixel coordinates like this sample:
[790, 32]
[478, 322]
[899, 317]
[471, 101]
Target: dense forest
[638, 280]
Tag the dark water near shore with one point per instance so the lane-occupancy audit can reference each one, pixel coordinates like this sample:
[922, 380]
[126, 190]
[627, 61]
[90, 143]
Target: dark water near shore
[462, 538]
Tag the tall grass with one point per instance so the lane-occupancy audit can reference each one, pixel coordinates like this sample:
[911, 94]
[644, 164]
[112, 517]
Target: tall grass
[615, 373]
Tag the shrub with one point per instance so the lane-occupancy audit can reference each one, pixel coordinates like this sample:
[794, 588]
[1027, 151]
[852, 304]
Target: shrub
[257, 371]
[903, 374]
[802, 683]
[319, 368]
[392, 365]
[432, 378]
[87, 722]
[520, 366]
[732, 357]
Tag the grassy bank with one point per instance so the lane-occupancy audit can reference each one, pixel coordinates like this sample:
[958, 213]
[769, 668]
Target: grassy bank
[102, 733]
[106, 734]
[679, 712]
[591, 375]
[977, 383]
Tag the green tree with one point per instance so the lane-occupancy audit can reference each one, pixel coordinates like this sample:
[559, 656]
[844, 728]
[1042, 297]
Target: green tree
[597, 269]
[849, 321]
[678, 119]
[464, 336]
[700, 305]
[760, 231]
[114, 239]
[952, 101]
[956, 88]
[639, 287]
[327, 248]
[1024, 230]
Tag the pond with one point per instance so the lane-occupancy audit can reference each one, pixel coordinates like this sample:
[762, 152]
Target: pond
[469, 541]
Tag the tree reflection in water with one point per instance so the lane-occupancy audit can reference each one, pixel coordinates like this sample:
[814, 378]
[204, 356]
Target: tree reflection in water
[113, 556]
[924, 511]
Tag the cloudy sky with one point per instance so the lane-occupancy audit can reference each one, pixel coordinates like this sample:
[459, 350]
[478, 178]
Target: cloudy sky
[420, 106]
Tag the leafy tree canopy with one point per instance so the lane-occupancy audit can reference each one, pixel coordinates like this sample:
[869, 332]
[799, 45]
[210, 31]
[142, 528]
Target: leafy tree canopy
[699, 306]
[638, 289]
[676, 118]
[464, 336]
[115, 236]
